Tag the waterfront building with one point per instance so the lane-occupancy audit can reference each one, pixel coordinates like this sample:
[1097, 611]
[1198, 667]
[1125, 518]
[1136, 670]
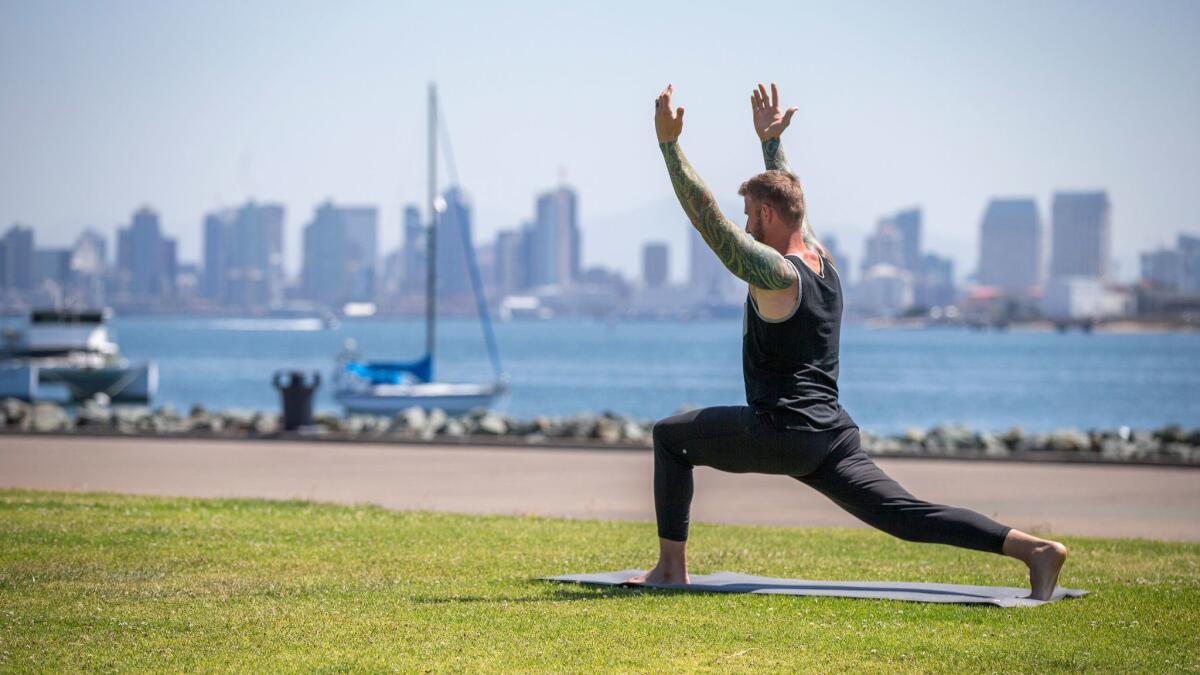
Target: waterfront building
[145, 259]
[412, 268]
[339, 254]
[453, 238]
[655, 270]
[1081, 243]
[556, 245]
[885, 246]
[16, 259]
[511, 260]
[708, 279]
[52, 265]
[908, 226]
[935, 286]
[885, 291]
[1189, 249]
[243, 255]
[1010, 246]
[1163, 268]
[840, 260]
[89, 267]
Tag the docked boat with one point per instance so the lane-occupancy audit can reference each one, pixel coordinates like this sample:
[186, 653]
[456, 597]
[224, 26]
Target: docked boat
[387, 387]
[66, 355]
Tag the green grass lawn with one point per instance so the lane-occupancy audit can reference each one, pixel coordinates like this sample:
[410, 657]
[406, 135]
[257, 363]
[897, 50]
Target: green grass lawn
[108, 582]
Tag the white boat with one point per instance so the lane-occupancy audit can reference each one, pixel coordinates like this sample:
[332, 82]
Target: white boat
[386, 387]
[68, 356]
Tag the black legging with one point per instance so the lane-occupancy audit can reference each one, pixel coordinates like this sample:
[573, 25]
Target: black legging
[739, 440]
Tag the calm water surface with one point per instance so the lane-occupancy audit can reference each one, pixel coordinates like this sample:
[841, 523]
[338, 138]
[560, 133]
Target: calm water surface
[891, 379]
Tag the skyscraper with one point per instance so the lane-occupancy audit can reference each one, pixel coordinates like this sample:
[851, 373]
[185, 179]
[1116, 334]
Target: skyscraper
[885, 246]
[1081, 237]
[16, 258]
[935, 287]
[1010, 249]
[556, 239]
[707, 277]
[840, 261]
[412, 276]
[89, 266]
[908, 226]
[512, 256]
[453, 238]
[217, 235]
[243, 255]
[54, 265]
[1163, 268]
[145, 258]
[655, 270]
[339, 254]
[1189, 248]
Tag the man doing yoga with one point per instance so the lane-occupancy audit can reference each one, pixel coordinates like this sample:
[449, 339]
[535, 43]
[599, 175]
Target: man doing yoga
[792, 424]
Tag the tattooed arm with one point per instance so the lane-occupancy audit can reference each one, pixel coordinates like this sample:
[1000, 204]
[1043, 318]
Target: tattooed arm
[755, 263]
[769, 124]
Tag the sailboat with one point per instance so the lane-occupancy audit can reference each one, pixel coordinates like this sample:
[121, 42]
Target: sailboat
[386, 387]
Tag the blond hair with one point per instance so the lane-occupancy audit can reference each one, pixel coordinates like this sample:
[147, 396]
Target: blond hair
[782, 191]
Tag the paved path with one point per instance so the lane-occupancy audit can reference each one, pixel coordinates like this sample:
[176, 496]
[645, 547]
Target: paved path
[1119, 501]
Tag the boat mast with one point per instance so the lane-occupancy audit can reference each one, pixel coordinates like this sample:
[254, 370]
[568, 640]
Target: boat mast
[431, 235]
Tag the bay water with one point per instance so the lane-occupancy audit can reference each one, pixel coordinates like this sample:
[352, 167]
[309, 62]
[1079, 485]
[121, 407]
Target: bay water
[891, 379]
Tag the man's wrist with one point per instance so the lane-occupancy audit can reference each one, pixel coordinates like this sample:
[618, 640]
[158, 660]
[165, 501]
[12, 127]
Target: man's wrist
[664, 142]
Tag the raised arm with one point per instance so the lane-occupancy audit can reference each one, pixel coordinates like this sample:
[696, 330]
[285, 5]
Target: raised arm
[769, 124]
[755, 263]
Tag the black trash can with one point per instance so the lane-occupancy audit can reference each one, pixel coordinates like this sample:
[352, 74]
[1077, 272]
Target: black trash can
[297, 395]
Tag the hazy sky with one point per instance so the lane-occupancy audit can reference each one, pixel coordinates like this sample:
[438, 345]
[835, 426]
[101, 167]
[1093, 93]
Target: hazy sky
[189, 106]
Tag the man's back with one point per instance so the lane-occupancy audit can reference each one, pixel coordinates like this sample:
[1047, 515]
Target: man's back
[790, 365]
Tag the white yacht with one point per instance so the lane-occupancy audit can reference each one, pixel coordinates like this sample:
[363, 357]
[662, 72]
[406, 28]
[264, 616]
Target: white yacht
[67, 355]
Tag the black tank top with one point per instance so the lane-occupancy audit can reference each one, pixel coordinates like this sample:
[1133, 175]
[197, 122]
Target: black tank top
[791, 365]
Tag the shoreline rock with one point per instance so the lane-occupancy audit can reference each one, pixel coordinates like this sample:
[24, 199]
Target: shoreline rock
[1172, 444]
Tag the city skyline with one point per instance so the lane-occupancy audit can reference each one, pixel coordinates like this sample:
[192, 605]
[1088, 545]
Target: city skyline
[941, 106]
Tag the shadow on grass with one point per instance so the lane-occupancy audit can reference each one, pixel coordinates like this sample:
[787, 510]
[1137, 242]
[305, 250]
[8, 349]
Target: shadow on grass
[559, 594]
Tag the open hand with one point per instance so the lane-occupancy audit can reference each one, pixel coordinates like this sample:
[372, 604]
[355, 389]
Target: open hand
[668, 124]
[769, 122]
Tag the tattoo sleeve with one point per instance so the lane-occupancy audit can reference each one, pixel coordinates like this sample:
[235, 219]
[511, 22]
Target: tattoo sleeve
[773, 155]
[755, 263]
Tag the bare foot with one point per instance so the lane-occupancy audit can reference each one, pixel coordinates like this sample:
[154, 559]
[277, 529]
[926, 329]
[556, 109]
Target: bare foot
[661, 574]
[1044, 563]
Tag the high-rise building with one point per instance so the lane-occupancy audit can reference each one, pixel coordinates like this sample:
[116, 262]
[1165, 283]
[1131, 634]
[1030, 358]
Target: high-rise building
[1010, 249]
[217, 242]
[145, 258]
[453, 238]
[707, 277]
[89, 255]
[89, 267]
[1081, 235]
[935, 287]
[243, 255]
[16, 258]
[840, 261]
[412, 274]
[1164, 268]
[339, 254]
[908, 226]
[1175, 269]
[1189, 249]
[511, 260]
[53, 265]
[655, 270]
[556, 239]
[884, 247]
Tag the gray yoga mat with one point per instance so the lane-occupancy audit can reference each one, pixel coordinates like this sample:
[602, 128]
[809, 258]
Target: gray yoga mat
[732, 582]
